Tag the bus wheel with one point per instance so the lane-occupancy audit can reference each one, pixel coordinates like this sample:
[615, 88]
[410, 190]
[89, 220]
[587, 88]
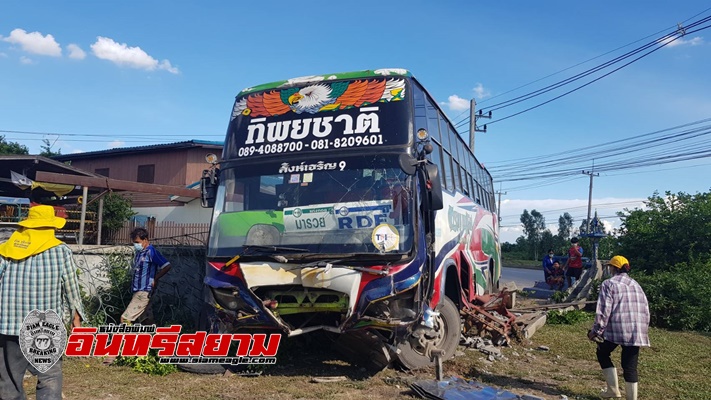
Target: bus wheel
[204, 323]
[205, 318]
[415, 350]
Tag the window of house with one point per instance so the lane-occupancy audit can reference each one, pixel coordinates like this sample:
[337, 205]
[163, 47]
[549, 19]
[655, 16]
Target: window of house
[146, 173]
[102, 171]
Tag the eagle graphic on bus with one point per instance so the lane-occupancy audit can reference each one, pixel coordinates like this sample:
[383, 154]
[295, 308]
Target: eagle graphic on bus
[320, 97]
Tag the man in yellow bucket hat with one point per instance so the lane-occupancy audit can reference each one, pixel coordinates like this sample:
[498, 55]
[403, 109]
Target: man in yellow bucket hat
[37, 271]
[622, 319]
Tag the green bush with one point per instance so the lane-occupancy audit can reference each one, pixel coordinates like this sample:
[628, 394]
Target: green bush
[595, 289]
[110, 301]
[679, 298]
[146, 364]
[117, 210]
[559, 295]
[568, 318]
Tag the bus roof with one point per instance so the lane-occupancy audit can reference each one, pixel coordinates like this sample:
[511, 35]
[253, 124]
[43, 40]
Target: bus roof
[368, 73]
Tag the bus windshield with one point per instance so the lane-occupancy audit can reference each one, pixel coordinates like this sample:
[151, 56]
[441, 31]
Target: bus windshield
[338, 206]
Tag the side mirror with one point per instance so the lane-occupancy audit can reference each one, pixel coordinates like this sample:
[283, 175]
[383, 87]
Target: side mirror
[435, 189]
[208, 187]
[408, 164]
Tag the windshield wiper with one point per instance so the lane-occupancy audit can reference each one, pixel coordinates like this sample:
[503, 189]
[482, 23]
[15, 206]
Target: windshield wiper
[327, 265]
[270, 251]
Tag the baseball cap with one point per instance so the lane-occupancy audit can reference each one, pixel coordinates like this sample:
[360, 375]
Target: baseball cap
[618, 262]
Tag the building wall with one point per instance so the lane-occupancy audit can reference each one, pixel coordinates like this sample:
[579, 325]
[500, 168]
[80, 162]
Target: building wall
[179, 167]
[190, 213]
[170, 166]
[196, 162]
[178, 294]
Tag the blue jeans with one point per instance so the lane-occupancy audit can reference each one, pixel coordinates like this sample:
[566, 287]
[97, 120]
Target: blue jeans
[13, 366]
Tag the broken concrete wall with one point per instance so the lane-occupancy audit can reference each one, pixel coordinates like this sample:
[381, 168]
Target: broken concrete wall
[179, 294]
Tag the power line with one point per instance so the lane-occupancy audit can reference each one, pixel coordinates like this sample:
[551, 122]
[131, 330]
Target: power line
[660, 42]
[598, 205]
[103, 135]
[586, 150]
[674, 146]
[667, 144]
[591, 59]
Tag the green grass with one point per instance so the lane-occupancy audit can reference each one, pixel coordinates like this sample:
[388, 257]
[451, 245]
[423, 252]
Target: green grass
[518, 263]
[676, 367]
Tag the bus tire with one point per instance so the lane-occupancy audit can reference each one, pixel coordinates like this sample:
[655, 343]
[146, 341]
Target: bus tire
[205, 318]
[493, 286]
[413, 352]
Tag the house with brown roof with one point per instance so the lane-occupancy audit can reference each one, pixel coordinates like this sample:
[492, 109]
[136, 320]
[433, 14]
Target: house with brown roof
[174, 164]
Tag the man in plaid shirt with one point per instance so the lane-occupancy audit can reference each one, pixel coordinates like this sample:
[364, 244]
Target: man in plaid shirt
[37, 272]
[622, 319]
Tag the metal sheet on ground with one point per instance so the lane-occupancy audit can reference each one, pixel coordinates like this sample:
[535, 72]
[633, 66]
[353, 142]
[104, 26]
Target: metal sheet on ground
[460, 389]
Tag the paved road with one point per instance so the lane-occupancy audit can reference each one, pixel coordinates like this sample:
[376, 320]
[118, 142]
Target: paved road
[523, 277]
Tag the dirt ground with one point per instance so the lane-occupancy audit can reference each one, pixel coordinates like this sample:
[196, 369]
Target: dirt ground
[525, 369]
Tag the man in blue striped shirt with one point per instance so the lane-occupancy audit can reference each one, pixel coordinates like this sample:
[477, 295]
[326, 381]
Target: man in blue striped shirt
[148, 267]
[37, 272]
[622, 319]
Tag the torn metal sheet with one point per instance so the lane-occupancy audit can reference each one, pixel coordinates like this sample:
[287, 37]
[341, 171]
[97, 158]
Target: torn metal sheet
[460, 389]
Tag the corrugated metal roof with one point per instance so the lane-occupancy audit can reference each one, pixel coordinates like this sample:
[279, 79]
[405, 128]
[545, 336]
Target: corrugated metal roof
[151, 147]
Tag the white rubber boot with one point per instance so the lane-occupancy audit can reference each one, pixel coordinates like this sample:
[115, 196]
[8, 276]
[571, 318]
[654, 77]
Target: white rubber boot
[612, 391]
[631, 390]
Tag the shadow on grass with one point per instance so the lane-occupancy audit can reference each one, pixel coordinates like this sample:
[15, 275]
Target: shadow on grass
[525, 384]
[313, 355]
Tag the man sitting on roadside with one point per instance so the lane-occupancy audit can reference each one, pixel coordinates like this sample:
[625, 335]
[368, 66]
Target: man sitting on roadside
[556, 279]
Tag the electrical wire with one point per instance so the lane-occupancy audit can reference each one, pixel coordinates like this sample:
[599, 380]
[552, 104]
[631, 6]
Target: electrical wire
[672, 146]
[659, 42]
[591, 59]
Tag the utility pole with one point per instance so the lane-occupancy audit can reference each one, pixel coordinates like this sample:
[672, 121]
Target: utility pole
[592, 174]
[473, 117]
[498, 207]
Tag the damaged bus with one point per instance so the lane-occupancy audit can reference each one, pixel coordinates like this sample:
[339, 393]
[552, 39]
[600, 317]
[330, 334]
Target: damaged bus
[348, 203]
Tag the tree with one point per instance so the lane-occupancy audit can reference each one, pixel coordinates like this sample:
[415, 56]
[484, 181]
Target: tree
[565, 226]
[117, 210]
[12, 147]
[672, 229]
[534, 224]
[548, 241]
[47, 150]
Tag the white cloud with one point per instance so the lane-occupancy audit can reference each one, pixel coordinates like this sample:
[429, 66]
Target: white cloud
[456, 103]
[123, 55]
[35, 43]
[165, 64]
[76, 52]
[77, 151]
[480, 92]
[695, 41]
[116, 143]
[3, 55]
[26, 60]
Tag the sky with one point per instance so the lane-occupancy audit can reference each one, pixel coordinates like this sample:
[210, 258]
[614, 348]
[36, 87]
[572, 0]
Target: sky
[93, 75]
